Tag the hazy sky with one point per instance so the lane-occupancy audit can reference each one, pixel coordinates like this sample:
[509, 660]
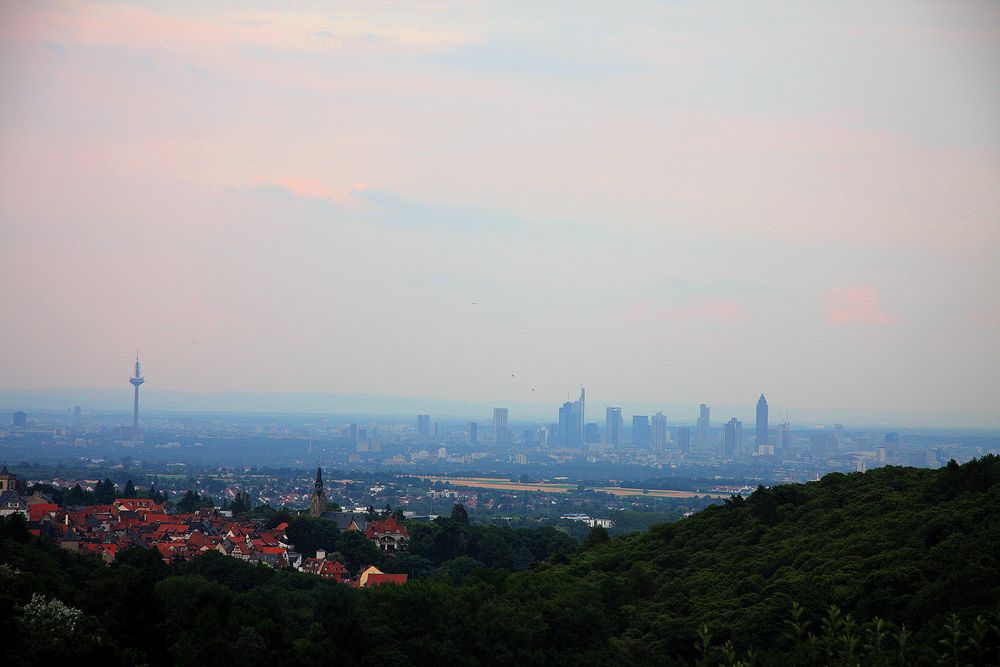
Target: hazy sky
[668, 201]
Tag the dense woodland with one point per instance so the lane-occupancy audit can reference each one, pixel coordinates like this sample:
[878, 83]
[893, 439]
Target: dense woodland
[895, 566]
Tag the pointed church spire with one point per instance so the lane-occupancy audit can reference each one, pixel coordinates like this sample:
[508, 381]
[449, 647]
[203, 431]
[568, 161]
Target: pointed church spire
[317, 505]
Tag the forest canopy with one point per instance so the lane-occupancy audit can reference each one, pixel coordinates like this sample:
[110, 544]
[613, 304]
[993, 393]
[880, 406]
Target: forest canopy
[893, 566]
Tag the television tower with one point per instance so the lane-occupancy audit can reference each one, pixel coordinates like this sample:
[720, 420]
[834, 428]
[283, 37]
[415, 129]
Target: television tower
[135, 381]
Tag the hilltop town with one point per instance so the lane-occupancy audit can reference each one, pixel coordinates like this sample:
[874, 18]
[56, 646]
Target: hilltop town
[104, 530]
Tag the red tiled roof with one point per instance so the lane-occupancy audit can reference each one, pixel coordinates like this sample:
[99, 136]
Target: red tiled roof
[387, 527]
[272, 550]
[37, 511]
[379, 579]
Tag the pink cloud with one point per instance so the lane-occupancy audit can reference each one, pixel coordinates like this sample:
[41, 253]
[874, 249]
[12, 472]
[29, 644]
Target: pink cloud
[860, 305]
[306, 187]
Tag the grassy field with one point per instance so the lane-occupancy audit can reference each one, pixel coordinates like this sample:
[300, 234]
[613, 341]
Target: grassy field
[548, 487]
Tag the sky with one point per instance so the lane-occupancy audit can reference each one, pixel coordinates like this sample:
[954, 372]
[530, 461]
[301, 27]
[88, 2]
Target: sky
[676, 202]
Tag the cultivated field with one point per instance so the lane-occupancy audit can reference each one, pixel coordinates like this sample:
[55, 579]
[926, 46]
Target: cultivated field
[548, 487]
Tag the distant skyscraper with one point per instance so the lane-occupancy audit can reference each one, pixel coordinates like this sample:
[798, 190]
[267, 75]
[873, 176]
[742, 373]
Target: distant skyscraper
[354, 433]
[761, 426]
[473, 433]
[731, 435]
[591, 433]
[424, 426]
[567, 426]
[20, 419]
[892, 443]
[501, 433]
[819, 445]
[135, 381]
[784, 439]
[571, 422]
[612, 425]
[640, 430]
[704, 427]
[684, 439]
[659, 435]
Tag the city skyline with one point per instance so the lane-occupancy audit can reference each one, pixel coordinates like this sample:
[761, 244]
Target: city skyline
[584, 333]
[488, 203]
[537, 407]
[156, 400]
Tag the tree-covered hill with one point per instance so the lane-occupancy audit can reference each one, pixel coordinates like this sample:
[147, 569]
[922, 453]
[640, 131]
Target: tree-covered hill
[894, 566]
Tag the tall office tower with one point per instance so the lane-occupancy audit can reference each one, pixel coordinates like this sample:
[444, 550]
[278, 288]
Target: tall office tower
[473, 433]
[704, 426]
[892, 443]
[640, 430]
[567, 425]
[77, 417]
[732, 433]
[591, 433]
[579, 415]
[612, 425]
[659, 435]
[354, 433]
[684, 439]
[135, 381]
[784, 440]
[571, 426]
[501, 434]
[20, 419]
[424, 426]
[761, 425]
[542, 436]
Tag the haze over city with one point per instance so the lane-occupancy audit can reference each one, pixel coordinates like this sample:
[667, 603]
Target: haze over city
[480, 333]
[494, 203]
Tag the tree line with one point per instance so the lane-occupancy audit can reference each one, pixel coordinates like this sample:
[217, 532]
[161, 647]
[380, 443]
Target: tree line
[896, 566]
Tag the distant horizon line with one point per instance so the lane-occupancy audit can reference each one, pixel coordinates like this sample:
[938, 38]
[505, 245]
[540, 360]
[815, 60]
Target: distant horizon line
[173, 400]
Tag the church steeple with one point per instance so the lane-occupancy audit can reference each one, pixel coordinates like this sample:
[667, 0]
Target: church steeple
[8, 482]
[318, 503]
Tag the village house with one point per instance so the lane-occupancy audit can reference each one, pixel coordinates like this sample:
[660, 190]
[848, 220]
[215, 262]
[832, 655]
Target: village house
[389, 535]
[372, 576]
[332, 570]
